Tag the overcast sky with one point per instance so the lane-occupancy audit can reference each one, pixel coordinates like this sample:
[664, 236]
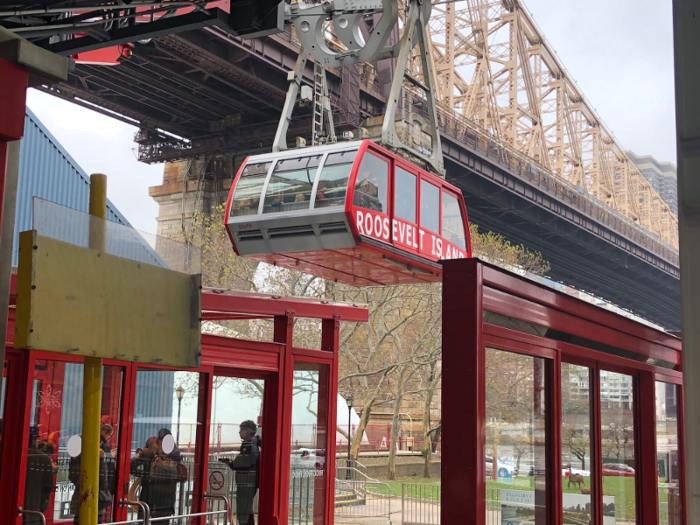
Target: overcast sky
[619, 51]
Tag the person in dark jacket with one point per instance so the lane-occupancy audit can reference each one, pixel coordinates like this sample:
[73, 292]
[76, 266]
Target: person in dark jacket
[107, 491]
[39, 483]
[158, 473]
[103, 501]
[246, 466]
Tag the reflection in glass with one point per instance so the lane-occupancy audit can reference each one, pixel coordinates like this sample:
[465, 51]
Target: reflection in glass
[246, 198]
[617, 432]
[452, 222]
[429, 207]
[576, 443]
[333, 182]
[372, 184]
[516, 403]
[53, 477]
[405, 191]
[290, 185]
[667, 458]
[307, 485]
[164, 481]
[235, 444]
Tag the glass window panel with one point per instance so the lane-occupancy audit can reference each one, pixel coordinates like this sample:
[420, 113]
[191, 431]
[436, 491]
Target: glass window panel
[307, 485]
[430, 206]
[667, 458]
[372, 185]
[405, 191]
[333, 182]
[163, 464]
[452, 221]
[576, 443]
[53, 480]
[290, 185]
[246, 197]
[617, 431]
[235, 444]
[516, 407]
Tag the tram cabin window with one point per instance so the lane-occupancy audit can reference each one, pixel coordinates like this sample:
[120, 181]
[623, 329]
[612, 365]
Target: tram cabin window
[246, 198]
[405, 195]
[372, 185]
[333, 182]
[452, 223]
[430, 207]
[290, 185]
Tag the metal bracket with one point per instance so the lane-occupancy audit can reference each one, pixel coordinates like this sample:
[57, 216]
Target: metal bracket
[414, 32]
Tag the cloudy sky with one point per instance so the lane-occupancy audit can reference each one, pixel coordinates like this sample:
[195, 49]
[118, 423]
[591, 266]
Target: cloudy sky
[619, 51]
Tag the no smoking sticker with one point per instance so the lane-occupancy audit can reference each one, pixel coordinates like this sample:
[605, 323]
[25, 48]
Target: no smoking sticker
[217, 480]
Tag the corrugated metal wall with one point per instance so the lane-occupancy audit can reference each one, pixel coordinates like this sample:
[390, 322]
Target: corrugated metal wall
[46, 170]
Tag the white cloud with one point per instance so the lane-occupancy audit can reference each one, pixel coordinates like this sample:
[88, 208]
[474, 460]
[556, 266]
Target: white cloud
[100, 144]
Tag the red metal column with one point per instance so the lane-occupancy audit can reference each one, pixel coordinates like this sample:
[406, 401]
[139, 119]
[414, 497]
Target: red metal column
[330, 341]
[596, 446]
[647, 472]
[202, 439]
[554, 440]
[463, 432]
[13, 96]
[284, 331]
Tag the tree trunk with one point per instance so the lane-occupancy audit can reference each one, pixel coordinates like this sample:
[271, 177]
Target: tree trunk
[427, 445]
[364, 419]
[394, 437]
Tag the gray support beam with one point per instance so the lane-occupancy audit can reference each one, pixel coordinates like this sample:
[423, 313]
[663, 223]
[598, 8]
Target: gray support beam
[6, 236]
[686, 21]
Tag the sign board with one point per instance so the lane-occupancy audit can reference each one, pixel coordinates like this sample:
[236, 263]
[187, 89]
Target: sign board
[76, 300]
[518, 508]
[218, 479]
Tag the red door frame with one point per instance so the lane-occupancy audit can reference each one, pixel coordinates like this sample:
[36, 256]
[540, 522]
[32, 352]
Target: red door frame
[471, 287]
[273, 361]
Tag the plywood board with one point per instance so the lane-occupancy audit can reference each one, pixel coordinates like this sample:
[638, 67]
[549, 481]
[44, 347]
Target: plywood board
[81, 301]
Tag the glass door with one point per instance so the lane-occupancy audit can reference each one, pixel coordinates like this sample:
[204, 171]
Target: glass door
[236, 443]
[53, 457]
[617, 423]
[576, 413]
[310, 419]
[3, 390]
[516, 437]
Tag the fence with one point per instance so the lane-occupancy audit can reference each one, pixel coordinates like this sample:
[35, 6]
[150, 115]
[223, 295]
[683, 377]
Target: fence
[420, 504]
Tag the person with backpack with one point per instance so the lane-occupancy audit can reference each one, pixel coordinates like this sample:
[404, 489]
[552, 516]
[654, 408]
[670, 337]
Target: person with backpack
[247, 467]
[158, 474]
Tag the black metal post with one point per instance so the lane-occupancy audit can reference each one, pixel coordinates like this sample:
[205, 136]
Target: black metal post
[179, 407]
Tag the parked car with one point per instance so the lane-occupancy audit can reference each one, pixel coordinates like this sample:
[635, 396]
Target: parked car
[504, 470]
[617, 469]
[307, 458]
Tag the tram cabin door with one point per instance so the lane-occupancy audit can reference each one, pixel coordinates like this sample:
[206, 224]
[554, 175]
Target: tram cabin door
[237, 442]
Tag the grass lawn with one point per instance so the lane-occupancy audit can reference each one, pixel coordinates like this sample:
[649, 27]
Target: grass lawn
[428, 494]
[621, 488]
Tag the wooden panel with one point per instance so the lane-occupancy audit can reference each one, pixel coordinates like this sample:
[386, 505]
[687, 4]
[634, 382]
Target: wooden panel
[83, 302]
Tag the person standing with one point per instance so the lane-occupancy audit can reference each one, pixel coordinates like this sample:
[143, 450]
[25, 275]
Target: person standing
[158, 473]
[246, 467]
[39, 482]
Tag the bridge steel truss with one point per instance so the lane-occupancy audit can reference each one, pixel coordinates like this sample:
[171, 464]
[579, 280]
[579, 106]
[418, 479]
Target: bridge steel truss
[207, 93]
[494, 65]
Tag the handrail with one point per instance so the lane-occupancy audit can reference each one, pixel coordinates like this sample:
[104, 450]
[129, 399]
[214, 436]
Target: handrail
[227, 504]
[144, 507]
[21, 511]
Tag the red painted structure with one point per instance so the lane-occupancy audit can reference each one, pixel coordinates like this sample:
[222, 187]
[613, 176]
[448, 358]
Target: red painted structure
[274, 362]
[367, 241]
[486, 307]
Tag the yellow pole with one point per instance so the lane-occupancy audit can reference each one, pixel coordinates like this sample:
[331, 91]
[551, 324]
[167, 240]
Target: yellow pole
[92, 375]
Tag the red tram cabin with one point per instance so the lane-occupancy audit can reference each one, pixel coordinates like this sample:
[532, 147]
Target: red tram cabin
[351, 212]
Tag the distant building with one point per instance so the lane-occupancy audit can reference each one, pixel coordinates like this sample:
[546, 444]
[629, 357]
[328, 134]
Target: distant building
[661, 175]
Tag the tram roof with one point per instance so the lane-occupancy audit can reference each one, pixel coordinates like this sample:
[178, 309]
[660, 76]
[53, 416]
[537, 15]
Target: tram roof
[311, 150]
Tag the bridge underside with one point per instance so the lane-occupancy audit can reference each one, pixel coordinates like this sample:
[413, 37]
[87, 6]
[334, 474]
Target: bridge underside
[224, 96]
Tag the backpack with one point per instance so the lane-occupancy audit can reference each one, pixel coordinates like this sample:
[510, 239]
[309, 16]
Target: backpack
[163, 470]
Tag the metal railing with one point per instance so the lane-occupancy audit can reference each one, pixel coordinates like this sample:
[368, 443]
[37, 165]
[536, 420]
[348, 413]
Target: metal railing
[362, 499]
[420, 504]
[22, 512]
[146, 519]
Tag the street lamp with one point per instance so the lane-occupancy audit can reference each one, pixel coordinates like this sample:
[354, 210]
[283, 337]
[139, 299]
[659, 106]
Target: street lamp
[180, 393]
[349, 400]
